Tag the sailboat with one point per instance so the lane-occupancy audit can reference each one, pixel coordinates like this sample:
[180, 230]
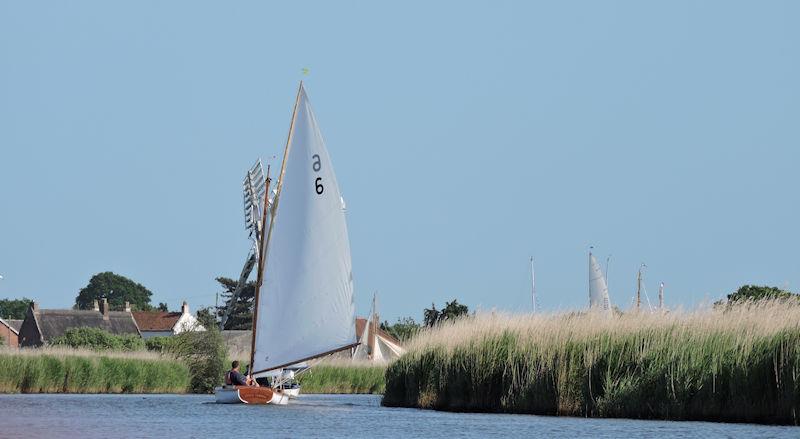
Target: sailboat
[599, 299]
[374, 344]
[304, 310]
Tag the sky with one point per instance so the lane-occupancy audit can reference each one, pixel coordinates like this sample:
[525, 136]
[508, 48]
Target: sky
[466, 137]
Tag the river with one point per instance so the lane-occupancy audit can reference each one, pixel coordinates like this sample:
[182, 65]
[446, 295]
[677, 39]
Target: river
[178, 416]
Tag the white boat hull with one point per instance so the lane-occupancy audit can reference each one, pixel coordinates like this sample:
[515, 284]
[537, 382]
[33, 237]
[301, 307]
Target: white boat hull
[227, 396]
[293, 393]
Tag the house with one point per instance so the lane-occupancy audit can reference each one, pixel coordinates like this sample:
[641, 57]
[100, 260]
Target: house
[42, 325]
[9, 332]
[165, 324]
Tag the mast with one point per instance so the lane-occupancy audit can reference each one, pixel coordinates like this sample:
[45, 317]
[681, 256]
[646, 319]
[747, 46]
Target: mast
[262, 256]
[533, 287]
[590, 276]
[661, 297]
[260, 276]
[639, 289]
[373, 327]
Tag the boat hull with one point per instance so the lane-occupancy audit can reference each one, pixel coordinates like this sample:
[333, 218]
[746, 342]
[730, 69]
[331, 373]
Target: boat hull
[248, 395]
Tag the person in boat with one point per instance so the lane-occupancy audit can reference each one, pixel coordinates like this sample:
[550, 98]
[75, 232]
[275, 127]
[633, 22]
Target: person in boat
[235, 378]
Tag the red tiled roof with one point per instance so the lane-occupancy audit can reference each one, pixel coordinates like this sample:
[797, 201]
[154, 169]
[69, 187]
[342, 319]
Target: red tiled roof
[156, 320]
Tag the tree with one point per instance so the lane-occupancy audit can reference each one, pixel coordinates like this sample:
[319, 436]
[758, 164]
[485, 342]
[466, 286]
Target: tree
[450, 312]
[204, 354]
[754, 293]
[403, 330]
[14, 308]
[207, 317]
[241, 317]
[163, 307]
[117, 289]
[431, 316]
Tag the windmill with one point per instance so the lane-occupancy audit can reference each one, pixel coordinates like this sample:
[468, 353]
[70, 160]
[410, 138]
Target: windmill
[254, 187]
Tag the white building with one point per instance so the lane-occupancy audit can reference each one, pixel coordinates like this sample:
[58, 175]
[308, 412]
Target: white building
[166, 324]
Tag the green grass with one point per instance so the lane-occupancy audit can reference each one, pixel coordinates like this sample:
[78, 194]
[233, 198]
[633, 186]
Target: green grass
[63, 371]
[341, 378]
[733, 366]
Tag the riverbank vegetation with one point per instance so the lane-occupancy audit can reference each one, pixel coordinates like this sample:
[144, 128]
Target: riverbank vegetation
[735, 363]
[343, 376]
[67, 370]
[89, 360]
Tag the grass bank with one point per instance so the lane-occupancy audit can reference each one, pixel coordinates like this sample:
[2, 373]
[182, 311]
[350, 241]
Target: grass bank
[732, 365]
[62, 370]
[343, 376]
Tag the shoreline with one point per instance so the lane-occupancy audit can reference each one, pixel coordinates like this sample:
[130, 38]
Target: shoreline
[737, 365]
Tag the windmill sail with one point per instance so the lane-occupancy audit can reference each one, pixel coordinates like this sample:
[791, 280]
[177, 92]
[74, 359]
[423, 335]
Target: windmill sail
[306, 304]
[598, 289]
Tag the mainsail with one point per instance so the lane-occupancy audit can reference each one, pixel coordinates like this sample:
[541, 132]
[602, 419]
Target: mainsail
[598, 289]
[306, 304]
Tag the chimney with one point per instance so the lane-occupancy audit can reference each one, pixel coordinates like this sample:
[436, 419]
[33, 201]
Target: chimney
[35, 306]
[94, 305]
[185, 308]
[104, 308]
[127, 306]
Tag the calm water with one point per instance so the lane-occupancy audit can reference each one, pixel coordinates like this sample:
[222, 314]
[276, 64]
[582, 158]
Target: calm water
[167, 416]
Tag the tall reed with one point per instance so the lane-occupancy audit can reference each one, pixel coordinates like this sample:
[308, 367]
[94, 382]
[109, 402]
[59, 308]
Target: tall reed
[60, 370]
[343, 376]
[739, 364]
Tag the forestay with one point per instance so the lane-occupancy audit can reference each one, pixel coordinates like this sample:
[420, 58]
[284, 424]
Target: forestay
[306, 304]
[598, 289]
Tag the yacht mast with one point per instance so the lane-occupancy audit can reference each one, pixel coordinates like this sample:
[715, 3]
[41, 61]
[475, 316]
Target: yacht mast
[533, 287]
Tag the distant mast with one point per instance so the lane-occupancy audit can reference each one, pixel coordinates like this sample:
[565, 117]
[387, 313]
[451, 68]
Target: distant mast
[533, 287]
[639, 289]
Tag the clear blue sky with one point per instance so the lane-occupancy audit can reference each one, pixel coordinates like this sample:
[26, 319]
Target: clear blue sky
[466, 137]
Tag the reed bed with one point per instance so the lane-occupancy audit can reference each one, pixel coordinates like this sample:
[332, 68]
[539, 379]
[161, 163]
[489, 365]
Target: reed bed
[343, 377]
[62, 370]
[735, 364]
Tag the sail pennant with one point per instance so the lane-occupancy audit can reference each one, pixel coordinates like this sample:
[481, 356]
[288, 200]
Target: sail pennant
[306, 300]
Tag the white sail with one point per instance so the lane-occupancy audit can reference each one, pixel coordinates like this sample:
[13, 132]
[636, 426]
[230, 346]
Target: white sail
[306, 301]
[598, 289]
[361, 352]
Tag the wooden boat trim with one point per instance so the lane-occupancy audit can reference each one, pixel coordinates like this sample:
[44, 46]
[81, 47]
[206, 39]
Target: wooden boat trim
[254, 395]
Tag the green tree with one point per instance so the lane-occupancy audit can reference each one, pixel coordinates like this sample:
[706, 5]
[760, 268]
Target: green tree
[452, 311]
[117, 289]
[163, 307]
[403, 330]
[755, 292]
[207, 317]
[241, 316]
[14, 308]
[431, 316]
[204, 354]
